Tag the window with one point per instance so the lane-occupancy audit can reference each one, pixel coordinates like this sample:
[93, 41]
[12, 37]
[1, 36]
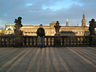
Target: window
[6, 32]
[81, 32]
[31, 31]
[25, 32]
[9, 29]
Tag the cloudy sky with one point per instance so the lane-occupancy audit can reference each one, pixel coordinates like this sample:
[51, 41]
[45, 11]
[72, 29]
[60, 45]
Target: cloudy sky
[35, 12]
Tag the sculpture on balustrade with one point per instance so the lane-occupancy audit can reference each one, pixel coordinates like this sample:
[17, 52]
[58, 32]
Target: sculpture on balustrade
[92, 27]
[17, 26]
[57, 35]
[92, 38]
[57, 28]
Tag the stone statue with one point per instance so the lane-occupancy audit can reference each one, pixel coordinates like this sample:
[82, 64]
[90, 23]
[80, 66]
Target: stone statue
[18, 21]
[57, 35]
[17, 26]
[92, 27]
[57, 23]
[57, 28]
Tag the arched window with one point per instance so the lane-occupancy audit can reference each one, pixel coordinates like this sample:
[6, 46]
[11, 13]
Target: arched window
[9, 29]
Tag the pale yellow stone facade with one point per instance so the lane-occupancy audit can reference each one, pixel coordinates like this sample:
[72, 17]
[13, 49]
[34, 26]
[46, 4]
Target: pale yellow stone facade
[2, 31]
[30, 30]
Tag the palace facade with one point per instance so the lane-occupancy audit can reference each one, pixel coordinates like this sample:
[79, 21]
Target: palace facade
[30, 30]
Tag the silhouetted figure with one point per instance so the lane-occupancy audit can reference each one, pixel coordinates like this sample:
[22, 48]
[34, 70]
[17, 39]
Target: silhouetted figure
[41, 35]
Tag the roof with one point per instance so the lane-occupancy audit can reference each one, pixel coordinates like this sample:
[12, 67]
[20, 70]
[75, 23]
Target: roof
[11, 28]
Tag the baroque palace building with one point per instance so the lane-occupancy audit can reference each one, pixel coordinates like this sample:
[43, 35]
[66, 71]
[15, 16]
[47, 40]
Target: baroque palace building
[30, 30]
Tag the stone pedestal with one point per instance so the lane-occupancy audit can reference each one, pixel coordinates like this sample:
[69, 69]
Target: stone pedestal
[18, 41]
[57, 40]
[92, 41]
[17, 30]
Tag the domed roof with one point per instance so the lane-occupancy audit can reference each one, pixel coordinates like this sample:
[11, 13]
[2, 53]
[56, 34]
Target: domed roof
[10, 28]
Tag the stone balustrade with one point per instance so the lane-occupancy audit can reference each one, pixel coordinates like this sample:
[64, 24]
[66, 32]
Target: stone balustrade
[28, 41]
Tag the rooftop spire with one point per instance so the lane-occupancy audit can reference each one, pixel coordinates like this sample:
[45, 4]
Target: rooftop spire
[67, 22]
[83, 20]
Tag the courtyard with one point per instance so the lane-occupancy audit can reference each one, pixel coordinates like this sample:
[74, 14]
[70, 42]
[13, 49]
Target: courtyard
[48, 59]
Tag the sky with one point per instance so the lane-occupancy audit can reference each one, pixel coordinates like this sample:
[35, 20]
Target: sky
[35, 12]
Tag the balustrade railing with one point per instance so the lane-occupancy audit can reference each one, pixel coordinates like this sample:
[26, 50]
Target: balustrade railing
[7, 41]
[29, 41]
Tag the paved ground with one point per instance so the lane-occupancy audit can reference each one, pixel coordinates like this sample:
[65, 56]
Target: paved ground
[49, 59]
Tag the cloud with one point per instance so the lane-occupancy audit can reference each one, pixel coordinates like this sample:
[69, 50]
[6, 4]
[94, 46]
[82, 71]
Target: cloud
[45, 11]
[2, 23]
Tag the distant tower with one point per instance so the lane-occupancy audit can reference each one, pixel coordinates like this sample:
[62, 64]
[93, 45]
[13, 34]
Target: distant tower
[67, 22]
[83, 20]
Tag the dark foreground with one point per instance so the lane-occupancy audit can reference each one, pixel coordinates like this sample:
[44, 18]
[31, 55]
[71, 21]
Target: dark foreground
[49, 59]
